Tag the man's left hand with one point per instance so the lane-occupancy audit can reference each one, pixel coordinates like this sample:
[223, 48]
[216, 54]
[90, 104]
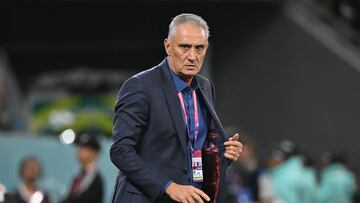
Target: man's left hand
[233, 148]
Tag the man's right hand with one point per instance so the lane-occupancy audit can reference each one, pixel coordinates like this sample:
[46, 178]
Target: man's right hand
[186, 193]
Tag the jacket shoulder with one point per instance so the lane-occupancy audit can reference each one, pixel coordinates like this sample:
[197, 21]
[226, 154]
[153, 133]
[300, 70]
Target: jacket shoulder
[146, 76]
[142, 80]
[205, 83]
[203, 80]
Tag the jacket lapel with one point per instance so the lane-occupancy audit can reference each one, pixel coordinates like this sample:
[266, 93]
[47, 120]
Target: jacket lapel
[212, 112]
[173, 103]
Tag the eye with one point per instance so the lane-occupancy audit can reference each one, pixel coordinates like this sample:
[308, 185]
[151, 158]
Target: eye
[185, 46]
[199, 48]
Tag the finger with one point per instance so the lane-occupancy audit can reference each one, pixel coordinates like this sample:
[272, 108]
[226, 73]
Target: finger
[233, 147]
[229, 147]
[202, 195]
[236, 137]
[233, 143]
[183, 200]
[232, 153]
[235, 153]
[230, 156]
[197, 198]
[190, 199]
[233, 150]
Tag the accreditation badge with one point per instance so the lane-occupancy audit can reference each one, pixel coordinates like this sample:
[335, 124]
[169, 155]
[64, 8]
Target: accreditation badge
[197, 169]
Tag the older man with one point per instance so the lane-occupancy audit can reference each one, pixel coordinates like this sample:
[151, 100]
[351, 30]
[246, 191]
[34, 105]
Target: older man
[168, 142]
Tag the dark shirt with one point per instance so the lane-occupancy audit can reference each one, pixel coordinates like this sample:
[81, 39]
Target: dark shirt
[92, 194]
[186, 91]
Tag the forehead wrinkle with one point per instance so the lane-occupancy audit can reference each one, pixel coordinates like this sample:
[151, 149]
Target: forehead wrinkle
[191, 36]
[195, 41]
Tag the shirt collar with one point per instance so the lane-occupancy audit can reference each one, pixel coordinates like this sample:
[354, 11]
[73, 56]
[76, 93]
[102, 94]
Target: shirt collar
[91, 167]
[180, 85]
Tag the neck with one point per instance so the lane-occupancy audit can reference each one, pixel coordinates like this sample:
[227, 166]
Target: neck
[186, 80]
[89, 165]
[30, 186]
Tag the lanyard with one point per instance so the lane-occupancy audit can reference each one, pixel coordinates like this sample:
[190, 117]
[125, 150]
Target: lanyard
[196, 119]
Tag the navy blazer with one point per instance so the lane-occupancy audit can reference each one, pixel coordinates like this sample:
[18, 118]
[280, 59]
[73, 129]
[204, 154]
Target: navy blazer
[149, 137]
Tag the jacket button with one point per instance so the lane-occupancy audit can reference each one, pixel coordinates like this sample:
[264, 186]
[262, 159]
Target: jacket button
[185, 171]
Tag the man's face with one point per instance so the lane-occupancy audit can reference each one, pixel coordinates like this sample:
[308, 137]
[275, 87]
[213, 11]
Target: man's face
[86, 155]
[31, 170]
[186, 50]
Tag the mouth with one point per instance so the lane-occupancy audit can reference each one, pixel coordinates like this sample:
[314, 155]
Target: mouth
[190, 65]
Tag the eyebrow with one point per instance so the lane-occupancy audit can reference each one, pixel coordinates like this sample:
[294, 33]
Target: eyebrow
[189, 45]
[184, 45]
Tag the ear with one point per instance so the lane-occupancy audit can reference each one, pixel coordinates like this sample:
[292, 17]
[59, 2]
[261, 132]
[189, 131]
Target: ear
[167, 46]
[206, 45]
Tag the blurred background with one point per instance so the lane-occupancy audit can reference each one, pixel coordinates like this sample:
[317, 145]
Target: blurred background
[287, 75]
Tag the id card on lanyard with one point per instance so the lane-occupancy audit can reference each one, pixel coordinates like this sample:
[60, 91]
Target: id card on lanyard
[196, 160]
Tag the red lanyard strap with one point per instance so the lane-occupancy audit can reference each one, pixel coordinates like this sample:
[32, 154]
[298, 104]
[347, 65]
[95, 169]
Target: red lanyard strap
[196, 112]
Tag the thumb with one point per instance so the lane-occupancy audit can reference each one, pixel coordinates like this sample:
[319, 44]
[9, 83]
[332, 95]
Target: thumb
[236, 137]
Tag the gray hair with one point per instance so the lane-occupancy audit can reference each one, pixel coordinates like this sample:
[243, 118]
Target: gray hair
[188, 18]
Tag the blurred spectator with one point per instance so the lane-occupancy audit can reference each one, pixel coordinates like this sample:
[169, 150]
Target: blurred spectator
[337, 183]
[2, 192]
[310, 180]
[288, 177]
[267, 192]
[87, 187]
[266, 186]
[243, 174]
[356, 197]
[28, 191]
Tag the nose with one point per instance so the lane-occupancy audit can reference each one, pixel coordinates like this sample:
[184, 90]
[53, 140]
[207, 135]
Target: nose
[192, 55]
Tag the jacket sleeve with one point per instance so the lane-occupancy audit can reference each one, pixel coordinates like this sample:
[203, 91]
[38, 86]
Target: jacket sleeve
[130, 123]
